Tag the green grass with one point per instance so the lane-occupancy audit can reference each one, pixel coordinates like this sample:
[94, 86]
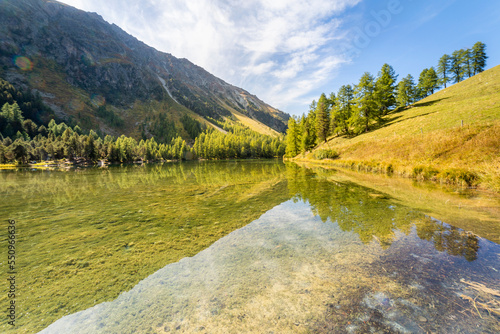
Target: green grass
[451, 136]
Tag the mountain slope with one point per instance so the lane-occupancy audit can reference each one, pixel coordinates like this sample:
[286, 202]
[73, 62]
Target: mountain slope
[80, 63]
[429, 141]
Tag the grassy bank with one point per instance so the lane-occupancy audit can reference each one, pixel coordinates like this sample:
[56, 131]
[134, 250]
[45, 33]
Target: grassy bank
[452, 136]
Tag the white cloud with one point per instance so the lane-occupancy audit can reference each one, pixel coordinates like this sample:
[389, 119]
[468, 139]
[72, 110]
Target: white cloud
[280, 50]
[259, 69]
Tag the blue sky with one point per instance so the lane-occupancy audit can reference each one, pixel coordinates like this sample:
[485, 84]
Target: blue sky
[287, 52]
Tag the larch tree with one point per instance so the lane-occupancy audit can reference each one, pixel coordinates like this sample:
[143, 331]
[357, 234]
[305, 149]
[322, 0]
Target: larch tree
[406, 91]
[385, 89]
[479, 57]
[427, 82]
[307, 140]
[431, 80]
[344, 108]
[332, 100]
[292, 138]
[467, 62]
[443, 69]
[366, 104]
[456, 65]
[421, 86]
[322, 119]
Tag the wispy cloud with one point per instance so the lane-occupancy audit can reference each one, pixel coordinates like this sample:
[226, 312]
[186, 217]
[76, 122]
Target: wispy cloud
[280, 50]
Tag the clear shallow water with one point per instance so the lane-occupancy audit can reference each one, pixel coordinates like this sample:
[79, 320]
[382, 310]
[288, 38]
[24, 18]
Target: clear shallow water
[290, 272]
[332, 257]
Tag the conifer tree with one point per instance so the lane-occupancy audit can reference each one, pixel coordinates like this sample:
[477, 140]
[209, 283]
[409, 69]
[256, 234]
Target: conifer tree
[456, 65]
[89, 148]
[385, 89]
[365, 103]
[307, 140]
[311, 119]
[467, 62]
[406, 91]
[479, 57]
[344, 108]
[322, 119]
[443, 69]
[427, 82]
[19, 150]
[292, 138]
[421, 86]
[431, 80]
[332, 101]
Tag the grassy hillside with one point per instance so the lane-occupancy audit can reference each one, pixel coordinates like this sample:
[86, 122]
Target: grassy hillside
[450, 136]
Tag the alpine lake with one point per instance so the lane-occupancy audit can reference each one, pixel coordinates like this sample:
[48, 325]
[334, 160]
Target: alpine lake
[246, 247]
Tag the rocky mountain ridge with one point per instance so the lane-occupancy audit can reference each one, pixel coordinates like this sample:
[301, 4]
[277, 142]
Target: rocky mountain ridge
[78, 63]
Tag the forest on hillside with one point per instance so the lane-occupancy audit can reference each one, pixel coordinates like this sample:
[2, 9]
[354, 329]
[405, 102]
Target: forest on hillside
[355, 109]
[29, 132]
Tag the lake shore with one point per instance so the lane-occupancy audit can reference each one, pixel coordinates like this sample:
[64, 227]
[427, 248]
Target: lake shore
[486, 179]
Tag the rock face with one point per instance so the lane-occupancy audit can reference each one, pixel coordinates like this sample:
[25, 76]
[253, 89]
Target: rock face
[96, 58]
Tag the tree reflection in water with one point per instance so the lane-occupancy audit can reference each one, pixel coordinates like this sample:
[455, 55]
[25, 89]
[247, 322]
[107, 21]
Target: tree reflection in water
[371, 214]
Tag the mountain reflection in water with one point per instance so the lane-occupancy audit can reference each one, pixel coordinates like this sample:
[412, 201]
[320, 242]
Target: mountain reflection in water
[337, 257]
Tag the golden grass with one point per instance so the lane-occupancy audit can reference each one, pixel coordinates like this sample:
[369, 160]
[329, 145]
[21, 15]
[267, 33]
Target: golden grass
[255, 125]
[452, 133]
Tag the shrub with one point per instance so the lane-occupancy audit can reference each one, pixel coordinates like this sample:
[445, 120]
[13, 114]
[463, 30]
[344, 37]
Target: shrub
[459, 176]
[389, 169]
[424, 172]
[325, 154]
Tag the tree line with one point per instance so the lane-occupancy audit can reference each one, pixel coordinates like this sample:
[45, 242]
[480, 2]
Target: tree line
[355, 108]
[22, 140]
[238, 142]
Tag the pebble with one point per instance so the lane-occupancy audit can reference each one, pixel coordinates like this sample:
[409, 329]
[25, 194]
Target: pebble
[422, 319]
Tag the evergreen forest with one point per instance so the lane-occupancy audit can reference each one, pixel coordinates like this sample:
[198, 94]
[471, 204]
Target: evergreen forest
[360, 107]
[30, 133]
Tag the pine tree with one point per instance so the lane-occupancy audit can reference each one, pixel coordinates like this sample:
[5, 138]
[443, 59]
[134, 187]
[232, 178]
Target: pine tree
[478, 57]
[19, 150]
[365, 102]
[467, 62]
[443, 69]
[306, 131]
[456, 65]
[322, 119]
[292, 138]
[421, 86]
[89, 148]
[332, 100]
[311, 119]
[431, 80]
[385, 89]
[344, 108]
[406, 91]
